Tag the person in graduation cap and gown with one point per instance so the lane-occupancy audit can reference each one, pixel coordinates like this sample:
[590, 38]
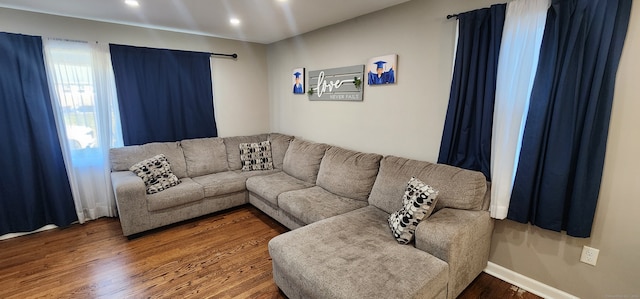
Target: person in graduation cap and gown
[297, 86]
[380, 76]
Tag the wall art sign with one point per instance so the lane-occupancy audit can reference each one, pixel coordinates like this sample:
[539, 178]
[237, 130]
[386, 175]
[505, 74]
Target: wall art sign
[382, 70]
[337, 84]
[297, 80]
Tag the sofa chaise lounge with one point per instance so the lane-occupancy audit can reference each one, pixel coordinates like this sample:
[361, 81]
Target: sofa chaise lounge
[336, 202]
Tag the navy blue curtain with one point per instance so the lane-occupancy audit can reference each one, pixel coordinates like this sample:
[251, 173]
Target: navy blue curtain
[163, 95]
[34, 190]
[560, 168]
[466, 138]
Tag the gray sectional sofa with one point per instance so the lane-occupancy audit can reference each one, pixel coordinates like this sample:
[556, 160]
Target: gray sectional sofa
[335, 201]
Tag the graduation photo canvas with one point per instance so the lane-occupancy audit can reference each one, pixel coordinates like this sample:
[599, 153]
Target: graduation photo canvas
[382, 70]
[297, 77]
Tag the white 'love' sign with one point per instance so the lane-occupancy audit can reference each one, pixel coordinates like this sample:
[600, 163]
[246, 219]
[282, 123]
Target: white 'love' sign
[337, 84]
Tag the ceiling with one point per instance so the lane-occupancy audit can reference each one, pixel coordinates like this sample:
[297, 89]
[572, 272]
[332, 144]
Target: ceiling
[261, 21]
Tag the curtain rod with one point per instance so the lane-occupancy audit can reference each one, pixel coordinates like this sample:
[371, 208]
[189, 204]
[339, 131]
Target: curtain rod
[68, 40]
[234, 55]
[455, 15]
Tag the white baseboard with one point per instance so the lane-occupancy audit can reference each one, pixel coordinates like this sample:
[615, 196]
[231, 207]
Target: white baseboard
[526, 283]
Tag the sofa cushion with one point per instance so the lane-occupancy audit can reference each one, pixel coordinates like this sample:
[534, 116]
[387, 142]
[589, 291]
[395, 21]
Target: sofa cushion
[232, 146]
[457, 188]
[221, 183]
[270, 186]
[188, 191]
[123, 158]
[303, 158]
[204, 156]
[155, 173]
[314, 204]
[249, 174]
[354, 256]
[348, 173]
[418, 201]
[279, 146]
[256, 156]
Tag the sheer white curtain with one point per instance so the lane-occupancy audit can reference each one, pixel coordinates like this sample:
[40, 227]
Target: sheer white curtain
[85, 106]
[517, 64]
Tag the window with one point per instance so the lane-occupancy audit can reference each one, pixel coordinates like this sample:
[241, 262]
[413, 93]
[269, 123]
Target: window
[85, 104]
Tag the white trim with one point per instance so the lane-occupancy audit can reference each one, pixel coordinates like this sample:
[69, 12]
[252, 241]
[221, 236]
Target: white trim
[14, 235]
[526, 283]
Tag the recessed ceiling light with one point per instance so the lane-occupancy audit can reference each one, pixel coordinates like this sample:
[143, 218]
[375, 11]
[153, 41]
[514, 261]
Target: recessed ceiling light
[234, 21]
[133, 3]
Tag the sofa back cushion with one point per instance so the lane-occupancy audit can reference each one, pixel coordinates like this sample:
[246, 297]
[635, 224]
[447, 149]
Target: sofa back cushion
[457, 188]
[124, 157]
[302, 159]
[232, 145]
[204, 156]
[279, 146]
[348, 173]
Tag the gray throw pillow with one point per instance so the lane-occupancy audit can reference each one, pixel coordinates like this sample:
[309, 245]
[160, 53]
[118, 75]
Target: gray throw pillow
[418, 201]
[155, 173]
[256, 156]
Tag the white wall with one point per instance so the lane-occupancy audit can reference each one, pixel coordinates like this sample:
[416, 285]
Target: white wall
[404, 119]
[407, 120]
[241, 103]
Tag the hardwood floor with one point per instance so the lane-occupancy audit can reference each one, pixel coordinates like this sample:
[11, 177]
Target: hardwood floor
[220, 256]
[489, 287]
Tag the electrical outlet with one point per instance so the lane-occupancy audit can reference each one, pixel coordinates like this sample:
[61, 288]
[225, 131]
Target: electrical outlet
[589, 255]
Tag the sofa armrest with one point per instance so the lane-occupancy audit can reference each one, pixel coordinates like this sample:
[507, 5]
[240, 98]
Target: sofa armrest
[462, 238]
[131, 196]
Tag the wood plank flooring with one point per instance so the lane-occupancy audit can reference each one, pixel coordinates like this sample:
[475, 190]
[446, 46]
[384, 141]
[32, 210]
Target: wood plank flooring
[489, 287]
[219, 256]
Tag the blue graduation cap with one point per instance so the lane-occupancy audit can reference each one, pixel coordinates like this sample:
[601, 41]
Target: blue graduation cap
[297, 74]
[380, 64]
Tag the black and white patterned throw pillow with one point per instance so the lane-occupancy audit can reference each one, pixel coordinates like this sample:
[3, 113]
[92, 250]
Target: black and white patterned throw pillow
[256, 156]
[418, 201]
[156, 174]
